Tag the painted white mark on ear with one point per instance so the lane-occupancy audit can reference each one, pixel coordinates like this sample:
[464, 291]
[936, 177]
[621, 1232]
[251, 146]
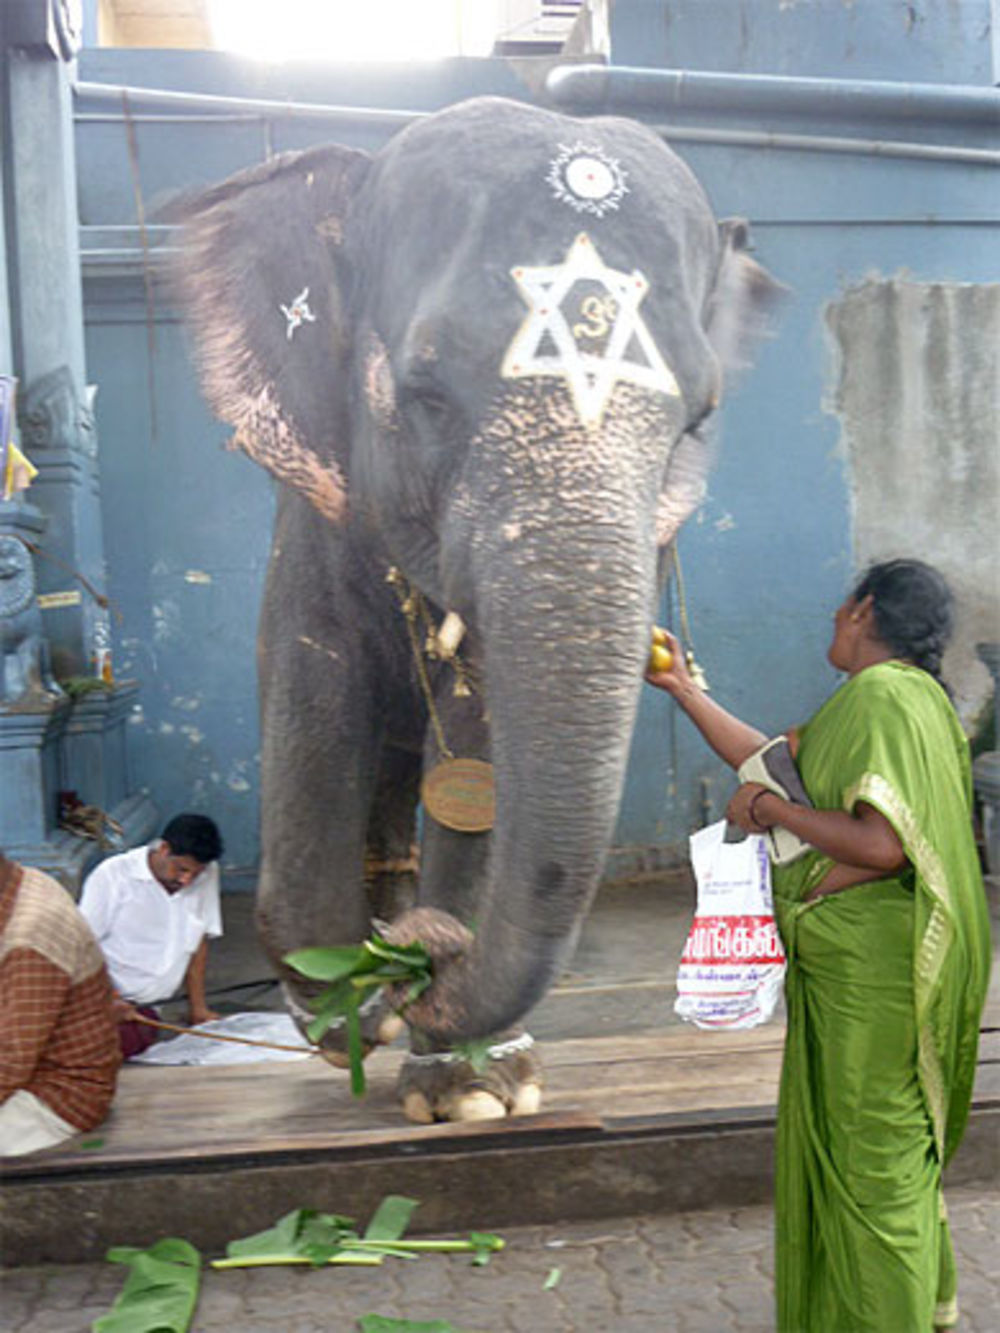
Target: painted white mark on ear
[586, 178]
[584, 326]
[380, 388]
[298, 312]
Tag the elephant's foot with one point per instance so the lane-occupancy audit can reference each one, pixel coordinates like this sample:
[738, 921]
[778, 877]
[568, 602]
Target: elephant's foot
[445, 1085]
[380, 1026]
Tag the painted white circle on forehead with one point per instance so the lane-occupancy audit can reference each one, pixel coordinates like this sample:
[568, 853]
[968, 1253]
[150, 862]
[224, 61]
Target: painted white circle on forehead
[590, 178]
[586, 178]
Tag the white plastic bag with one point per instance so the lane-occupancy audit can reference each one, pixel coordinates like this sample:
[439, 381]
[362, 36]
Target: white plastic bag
[733, 964]
[276, 1028]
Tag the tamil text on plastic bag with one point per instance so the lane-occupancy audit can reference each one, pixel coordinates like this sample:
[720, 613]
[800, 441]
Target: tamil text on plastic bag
[733, 964]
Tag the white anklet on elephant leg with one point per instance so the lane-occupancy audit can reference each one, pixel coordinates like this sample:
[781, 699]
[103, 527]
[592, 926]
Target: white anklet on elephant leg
[504, 1048]
[304, 1016]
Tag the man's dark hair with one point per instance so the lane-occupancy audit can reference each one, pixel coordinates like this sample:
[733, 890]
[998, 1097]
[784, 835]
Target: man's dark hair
[194, 835]
[914, 610]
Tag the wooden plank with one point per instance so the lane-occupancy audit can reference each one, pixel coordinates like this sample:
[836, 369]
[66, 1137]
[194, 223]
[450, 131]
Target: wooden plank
[187, 1113]
[460, 1136]
[682, 1040]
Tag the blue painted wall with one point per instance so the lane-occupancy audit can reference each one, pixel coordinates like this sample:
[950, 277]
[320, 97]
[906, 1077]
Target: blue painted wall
[768, 557]
[925, 41]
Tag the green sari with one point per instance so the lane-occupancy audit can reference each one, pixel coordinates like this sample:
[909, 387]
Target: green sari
[886, 984]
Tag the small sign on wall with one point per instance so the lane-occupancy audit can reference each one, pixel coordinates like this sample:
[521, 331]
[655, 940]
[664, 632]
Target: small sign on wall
[51, 601]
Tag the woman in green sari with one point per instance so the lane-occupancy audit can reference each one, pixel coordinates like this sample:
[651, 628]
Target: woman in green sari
[885, 925]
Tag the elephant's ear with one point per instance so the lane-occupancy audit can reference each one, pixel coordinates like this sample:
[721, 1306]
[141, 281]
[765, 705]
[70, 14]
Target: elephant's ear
[743, 300]
[259, 278]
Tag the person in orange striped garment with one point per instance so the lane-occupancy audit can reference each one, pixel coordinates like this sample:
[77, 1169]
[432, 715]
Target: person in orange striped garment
[59, 1052]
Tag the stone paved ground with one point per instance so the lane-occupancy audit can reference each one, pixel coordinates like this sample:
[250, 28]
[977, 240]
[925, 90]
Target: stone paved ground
[705, 1272]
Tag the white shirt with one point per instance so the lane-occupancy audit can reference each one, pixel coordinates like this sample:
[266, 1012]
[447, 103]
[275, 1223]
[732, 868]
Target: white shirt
[148, 935]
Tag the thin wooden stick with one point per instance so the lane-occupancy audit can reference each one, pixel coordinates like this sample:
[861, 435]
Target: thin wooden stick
[218, 1036]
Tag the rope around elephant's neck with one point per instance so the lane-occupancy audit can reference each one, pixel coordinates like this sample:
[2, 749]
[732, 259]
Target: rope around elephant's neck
[414, 608]
[694, 668]
[681, 598]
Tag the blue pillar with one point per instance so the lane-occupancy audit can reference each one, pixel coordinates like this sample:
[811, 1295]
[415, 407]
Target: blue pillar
[46, 317]
[52, 742]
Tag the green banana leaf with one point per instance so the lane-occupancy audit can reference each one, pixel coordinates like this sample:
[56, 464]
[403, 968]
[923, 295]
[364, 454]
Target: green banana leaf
[160, 1292]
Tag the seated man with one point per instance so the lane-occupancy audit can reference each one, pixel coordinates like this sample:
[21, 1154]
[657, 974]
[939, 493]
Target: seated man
[59, 1053]
[152, 910]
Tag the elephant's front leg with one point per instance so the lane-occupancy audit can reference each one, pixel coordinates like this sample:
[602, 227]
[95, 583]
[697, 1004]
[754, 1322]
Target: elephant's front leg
[335, 794]
[501, 1076]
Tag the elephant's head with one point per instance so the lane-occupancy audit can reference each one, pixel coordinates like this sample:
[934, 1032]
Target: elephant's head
[494, 344]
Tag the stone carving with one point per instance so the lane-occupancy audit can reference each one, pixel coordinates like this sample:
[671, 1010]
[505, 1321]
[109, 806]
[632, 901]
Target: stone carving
[986, 769]
[25, 665]
[53, 417]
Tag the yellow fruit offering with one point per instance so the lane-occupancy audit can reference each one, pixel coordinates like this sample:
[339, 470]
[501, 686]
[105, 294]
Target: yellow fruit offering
[660, 657]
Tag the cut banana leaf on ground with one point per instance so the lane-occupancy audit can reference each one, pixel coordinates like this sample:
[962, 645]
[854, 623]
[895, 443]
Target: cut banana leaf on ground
[160, 1292]
[305, 1236]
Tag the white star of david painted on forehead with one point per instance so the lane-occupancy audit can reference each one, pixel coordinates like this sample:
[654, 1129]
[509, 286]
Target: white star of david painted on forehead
[628, 353]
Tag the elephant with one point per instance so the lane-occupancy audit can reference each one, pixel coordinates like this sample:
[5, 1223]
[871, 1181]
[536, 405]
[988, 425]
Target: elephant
[483, 362]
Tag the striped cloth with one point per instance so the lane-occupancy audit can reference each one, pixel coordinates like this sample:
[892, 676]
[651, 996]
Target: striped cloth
[58, 1035]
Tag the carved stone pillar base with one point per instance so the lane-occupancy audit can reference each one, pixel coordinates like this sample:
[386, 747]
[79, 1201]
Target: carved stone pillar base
[78, 746]
[95, 759]
[29, 762]
[986, 769]
[986, 775]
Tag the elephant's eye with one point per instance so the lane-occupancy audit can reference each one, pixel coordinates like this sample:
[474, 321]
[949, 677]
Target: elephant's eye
[426, 408]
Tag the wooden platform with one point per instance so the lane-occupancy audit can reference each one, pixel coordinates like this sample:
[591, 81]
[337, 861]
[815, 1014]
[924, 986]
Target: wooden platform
[640, 1114]
[184, 1114]
[649, 1121]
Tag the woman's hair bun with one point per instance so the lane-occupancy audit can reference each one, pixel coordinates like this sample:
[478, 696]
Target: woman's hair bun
[913, 607]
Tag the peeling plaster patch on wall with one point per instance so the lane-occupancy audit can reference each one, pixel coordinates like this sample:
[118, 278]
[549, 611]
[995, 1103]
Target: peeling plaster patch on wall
[185, 703]
[132, 651]
[193, 734]
[724, 524]
[237, 780]
[166, 622]
[196, 576]
[167, 728]
[917, 393]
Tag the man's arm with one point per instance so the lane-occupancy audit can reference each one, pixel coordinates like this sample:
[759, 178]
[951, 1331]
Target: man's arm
[32, 994]
[97, 901]
[199, 1011]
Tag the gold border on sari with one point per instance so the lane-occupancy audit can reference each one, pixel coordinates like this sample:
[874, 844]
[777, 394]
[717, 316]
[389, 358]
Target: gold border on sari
[937, 939]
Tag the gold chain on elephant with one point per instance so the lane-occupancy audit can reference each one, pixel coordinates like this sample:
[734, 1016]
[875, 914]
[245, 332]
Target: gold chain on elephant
[695, 670]
[458, 793]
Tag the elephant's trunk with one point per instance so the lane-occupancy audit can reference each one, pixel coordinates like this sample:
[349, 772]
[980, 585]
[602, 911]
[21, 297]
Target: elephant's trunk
[563, 605]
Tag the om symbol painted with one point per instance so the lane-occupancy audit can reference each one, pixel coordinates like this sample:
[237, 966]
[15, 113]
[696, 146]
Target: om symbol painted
[598, 316]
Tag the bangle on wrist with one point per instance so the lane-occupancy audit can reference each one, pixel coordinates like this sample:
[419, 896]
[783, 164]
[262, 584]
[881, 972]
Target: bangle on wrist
[752, 809]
